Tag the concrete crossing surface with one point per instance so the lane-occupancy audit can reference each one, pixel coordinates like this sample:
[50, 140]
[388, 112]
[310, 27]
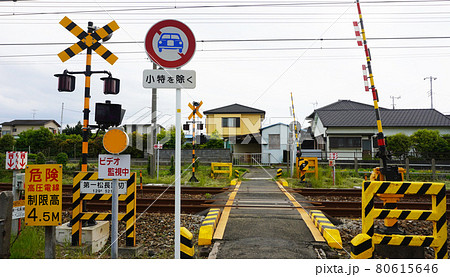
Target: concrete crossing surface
[263, 223]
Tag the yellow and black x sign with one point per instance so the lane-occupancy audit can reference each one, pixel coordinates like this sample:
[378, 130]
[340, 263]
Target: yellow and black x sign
[195, 110]
[88, 40]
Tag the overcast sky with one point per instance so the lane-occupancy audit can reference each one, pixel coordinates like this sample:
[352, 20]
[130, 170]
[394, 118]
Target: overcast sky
[254, 53]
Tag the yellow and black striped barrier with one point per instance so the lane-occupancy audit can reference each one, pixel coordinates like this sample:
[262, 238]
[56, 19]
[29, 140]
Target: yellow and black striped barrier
[77, 213]
[279, 172]
[361, 247]
[328, 230]
[208, 227]
[438, 214]
[236, 173]
[187, 249]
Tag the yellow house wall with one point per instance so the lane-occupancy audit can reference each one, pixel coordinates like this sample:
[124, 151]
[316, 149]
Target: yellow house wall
[250, 124]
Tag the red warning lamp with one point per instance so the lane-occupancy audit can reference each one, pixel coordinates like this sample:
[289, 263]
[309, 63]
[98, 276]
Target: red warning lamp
[66, 82]
[110, 85]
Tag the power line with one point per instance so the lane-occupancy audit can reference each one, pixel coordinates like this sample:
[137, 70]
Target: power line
[272, 4]
[236, 40]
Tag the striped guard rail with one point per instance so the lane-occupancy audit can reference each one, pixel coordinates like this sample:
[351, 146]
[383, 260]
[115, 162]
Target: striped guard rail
[328, 230]
[438, 214]
[208, 227]
[187, 249]
[77, 214]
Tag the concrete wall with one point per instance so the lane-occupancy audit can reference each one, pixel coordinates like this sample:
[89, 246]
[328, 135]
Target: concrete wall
[204, 155]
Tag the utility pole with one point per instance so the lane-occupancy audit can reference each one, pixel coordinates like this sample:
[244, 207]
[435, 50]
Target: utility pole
[431, 87]
[62, 112]
[393, 99]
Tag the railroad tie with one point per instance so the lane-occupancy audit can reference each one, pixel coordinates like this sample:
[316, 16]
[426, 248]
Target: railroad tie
[328, 230]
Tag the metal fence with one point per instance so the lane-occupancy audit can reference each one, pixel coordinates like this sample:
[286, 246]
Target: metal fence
[252, 159]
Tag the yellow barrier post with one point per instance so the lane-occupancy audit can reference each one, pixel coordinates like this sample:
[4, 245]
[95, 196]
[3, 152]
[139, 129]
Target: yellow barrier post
[216, 168]
[187, 249]
[328, 230]
[208, 226]
[437, 215]
[279, 172]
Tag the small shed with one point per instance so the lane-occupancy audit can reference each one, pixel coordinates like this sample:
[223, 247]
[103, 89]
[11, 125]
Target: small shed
[274, 141]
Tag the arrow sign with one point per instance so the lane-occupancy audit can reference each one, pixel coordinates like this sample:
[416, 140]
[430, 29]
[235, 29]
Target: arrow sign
[183, 79]
[16, 160]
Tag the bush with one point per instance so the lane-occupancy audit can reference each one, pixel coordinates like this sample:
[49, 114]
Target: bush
[172, 166]
[62, 158]
[40, 158]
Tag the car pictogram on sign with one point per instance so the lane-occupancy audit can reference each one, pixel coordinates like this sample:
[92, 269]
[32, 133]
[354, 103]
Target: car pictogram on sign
[170, 41]
[170, 44]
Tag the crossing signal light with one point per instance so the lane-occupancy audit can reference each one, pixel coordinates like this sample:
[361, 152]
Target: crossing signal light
[110, 85]
[66, 82]
[107, 114]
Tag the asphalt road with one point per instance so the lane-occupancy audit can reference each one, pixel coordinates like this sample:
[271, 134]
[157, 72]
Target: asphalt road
[262, 232]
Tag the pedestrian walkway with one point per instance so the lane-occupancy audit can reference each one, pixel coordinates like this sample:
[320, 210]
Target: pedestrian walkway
[263, 223]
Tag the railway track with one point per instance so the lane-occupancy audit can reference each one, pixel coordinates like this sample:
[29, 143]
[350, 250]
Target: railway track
[327, 200]
[148, 189]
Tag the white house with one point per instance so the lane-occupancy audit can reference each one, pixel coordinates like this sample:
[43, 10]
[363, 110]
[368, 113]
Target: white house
[350, 128]
[274, 141]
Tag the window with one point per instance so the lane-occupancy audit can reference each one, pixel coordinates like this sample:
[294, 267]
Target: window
[274, 141]
[345, 142]
[231, 122]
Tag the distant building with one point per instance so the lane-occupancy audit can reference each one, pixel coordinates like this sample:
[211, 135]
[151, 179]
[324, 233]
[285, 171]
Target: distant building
[15, 127]
[239, 125]
[350, 128]
[274, 143]
[141, 128]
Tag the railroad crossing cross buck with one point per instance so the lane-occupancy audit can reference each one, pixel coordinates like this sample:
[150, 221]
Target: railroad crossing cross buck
[195, 106]
[88, 40]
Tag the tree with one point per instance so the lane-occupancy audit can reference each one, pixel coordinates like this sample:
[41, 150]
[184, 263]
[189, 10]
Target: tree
[41, 140]
[40, 158]
[6, 143]
[429, 143]
[62, 158]
[168, 138]
[75, 130]
[399, 145]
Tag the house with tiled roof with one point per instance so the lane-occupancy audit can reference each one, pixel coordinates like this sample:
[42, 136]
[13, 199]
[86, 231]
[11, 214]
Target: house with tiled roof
[349, 127]
[239, 125]
[15, 127]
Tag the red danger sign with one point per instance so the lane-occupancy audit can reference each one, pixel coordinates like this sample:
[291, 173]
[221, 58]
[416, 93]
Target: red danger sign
[170, 44]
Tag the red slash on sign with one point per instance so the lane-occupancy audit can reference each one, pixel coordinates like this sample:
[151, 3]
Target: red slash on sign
[170, 43]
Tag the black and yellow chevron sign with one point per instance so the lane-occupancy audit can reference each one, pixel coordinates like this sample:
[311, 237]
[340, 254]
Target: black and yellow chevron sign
[88, 40]
[195, 110]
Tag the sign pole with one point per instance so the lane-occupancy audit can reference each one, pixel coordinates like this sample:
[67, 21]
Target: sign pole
[50, 242]
[15, 222]
[157, 164]
[177, 173]
[334, 175]
[114, 220]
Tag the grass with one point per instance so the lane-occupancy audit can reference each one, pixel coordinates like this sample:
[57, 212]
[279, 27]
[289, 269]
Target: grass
[30, 244]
